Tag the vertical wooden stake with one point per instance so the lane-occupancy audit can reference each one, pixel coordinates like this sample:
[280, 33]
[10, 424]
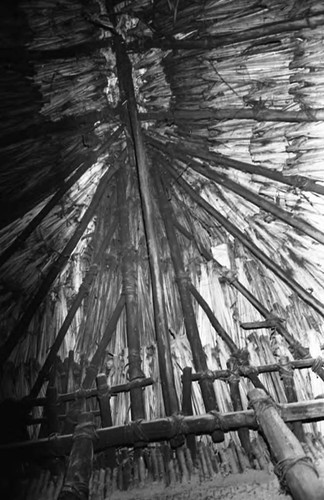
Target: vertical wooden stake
[287, 377]
[292, 465]
[187, 408]
[78, 474]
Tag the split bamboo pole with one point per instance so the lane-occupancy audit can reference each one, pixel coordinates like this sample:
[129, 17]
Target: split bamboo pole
[79, 469]
[183, 285]
[34, 223]
[293, 467]
[297, 349]
[256, 113]
[51, 357]
[130, 271]
[295, 181]
[124, 70]
[21, 328]
[163, 429]
[187, 409]
[234, 231]
[209, 43]
[257, 200]
[94, 365]
[213, 320]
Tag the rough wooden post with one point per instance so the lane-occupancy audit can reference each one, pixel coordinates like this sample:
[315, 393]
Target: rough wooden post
[292, 465]
[105, 414]
[234, 384]
[77, 477]
[187, 408]
[287, 377]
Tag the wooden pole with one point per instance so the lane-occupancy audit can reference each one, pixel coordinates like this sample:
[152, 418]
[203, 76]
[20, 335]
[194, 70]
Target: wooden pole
[234, 384]
[187, 408]
[104, 395]
[130, 271]
[79, 469]
[259, 254]
[300, 182]
[292, 465]
[164, 429]
[46, 368]
[220, 41]
[213, 320]
[182, 281]
[22, 326]
[93, 367]
[287, 376]
[34, 223]
[257, 200]
[124, 70]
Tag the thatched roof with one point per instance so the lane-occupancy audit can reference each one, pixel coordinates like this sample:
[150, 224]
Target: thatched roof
[229, 96]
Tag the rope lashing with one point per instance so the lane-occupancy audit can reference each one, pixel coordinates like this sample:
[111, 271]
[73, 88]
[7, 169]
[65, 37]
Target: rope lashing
[135, 432]
[318, 364]
[85, 430]
[217, 420]
[282, 468]
[207, 375]
[179, 429]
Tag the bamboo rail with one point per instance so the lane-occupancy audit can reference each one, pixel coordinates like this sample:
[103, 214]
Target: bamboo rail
[88, 393]
[124, 70]
[166, 428]
[297, 364]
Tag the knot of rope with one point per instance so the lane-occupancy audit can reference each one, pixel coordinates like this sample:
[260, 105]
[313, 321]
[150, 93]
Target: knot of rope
[248, 370]
[283, 467]
[285, 370]
[85, 430]
[179, 429]
[207, 375]
[135, 432]
[228, 275]
[317, 365]
[218, 421]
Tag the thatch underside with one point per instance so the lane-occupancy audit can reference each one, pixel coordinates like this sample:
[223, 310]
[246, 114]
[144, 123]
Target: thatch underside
[233, 132]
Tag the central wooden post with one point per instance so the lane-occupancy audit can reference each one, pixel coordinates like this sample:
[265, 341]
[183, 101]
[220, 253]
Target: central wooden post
[293, 467]
[129, 109]
[129, 270]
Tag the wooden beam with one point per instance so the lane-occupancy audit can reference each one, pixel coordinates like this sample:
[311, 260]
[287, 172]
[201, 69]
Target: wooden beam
[164, 429]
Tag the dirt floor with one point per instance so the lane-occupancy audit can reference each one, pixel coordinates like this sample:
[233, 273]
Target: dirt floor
[252, 484]
[258, 485]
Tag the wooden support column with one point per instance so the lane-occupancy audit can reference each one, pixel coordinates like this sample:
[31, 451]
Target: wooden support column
[104, 395]
[234, 384]
[129, 271]
[187, 408]
[287, 376]
[79, 469]
[124, 70]
[92, 369]
[182, 281]
[292, 465]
